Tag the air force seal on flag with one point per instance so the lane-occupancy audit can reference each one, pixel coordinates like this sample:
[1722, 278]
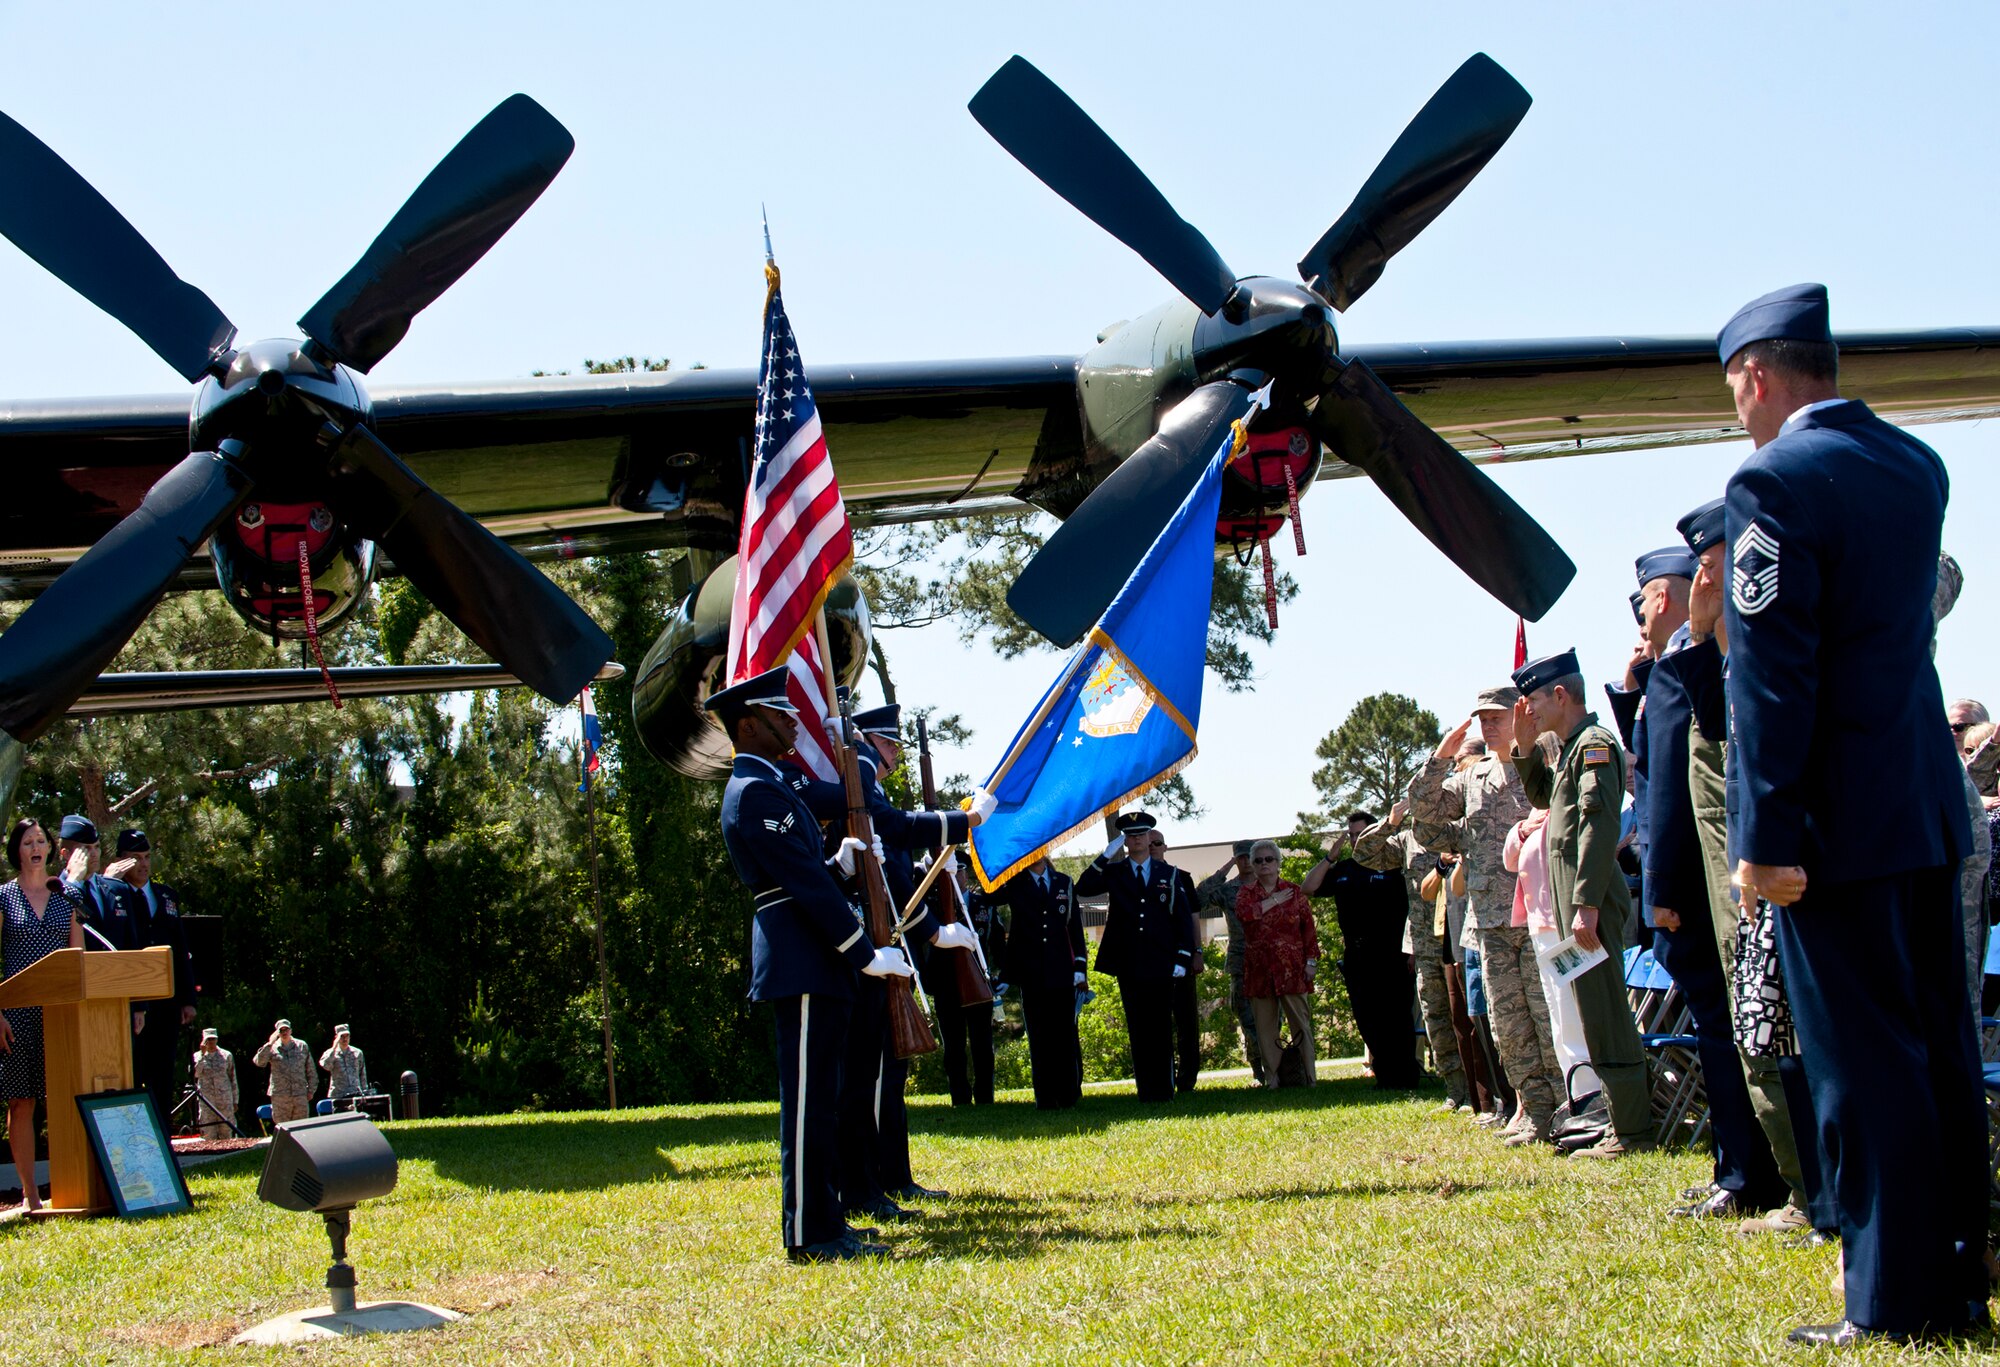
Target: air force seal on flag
[1753, 581]
[1113, 702]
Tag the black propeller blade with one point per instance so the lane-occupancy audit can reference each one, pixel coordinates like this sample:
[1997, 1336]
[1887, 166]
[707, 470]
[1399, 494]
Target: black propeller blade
[1438, 154]
[508, 608]
[58, 646]
[52, 213]
[1030, 116]
[1444, 495]
[465, 205]
[1078, 571]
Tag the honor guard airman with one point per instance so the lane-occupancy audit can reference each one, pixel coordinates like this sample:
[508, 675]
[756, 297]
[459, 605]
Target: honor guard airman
[874, 1171]
[808, 949]
[1149, 943]
[1848, 812]
[1046, 960]
[1584, 791]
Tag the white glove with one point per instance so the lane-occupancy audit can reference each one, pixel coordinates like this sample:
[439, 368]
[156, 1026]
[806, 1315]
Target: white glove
[1180, 970]
[984, 804]
[1077, 980]
[848, 855]
[951, 860]
[957, 935]
[888, 964]
[1115, 850]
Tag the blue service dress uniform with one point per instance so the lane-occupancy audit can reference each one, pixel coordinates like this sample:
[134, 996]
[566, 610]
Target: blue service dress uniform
[1045, 952]
[807, 945]
[966, 1032]
[156, 1052]
[1373, 909]
[1841, 763]
[1149, 931]
[874, 1122]
[1676, 878]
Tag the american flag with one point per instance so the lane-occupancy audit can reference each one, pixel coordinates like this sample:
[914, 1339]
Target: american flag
[795, 540]
[593, 738]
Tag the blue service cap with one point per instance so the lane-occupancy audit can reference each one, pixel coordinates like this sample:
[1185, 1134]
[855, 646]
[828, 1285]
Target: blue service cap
[1638, 610]
[79, 829]
[1136, 821]
[134, 842]
[1668, 560]
[1545, 671]
[1702, 528]
[886, 720]
[1795, 313]
[761, 690]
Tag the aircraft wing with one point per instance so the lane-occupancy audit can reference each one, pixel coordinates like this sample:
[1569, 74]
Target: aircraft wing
[565, 466]
[124, 694]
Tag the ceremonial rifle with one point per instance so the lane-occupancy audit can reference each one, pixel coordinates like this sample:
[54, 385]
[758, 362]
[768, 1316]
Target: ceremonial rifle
[909, 1029]
[969, 970]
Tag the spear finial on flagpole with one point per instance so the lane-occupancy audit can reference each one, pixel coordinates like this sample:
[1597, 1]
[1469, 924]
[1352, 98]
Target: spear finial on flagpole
[770, 261]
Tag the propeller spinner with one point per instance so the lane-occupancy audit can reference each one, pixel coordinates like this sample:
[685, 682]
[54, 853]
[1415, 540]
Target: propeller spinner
[288, 423]
[1284, 330]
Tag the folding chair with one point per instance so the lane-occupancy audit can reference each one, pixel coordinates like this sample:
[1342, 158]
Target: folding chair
[1679, 1095]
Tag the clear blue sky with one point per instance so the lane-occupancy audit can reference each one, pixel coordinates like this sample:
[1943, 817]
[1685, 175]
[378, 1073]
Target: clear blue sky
[1677, 161]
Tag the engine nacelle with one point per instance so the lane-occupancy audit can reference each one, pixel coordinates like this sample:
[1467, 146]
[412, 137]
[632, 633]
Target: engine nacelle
[256, 555]
[686, 664]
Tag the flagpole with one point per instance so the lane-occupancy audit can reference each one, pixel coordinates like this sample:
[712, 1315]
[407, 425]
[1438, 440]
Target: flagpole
[1035, 722]
[597, 907]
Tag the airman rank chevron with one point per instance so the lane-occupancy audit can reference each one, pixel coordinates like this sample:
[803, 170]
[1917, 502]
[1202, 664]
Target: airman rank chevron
[1753, 582]
[780, 827]
[1597, 754]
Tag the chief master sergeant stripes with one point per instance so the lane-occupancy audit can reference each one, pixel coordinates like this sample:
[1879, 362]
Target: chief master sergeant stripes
[807, 943]
[1849, 815]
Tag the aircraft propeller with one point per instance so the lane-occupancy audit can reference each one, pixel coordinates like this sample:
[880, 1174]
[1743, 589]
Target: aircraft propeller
[462, 208]
[1450, 500]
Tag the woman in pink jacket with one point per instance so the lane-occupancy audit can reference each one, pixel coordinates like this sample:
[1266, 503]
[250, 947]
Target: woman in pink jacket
[1534, 907]
[1280, 954]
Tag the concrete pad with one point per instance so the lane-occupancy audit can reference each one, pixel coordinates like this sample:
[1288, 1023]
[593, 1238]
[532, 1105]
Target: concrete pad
[322, 1322]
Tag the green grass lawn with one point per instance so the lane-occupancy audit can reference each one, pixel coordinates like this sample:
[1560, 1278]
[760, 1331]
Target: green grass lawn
[1323, 1226]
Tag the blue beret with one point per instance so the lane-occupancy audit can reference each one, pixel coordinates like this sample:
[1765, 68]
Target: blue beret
[1702, 528]
[1136, 821]
[1545, 671]
[79, 829]
[886, 720]
[1795, 313]
[1663, 562]
[1638, 613]
[133, 842]
[762, 690]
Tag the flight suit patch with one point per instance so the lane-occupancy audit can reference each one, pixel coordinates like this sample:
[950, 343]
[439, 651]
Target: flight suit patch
[1597, 754]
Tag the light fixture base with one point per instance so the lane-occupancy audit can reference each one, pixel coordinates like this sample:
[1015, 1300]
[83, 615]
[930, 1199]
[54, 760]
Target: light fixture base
[324, 1322]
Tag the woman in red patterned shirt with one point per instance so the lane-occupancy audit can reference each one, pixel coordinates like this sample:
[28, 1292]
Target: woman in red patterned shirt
[1280, 954]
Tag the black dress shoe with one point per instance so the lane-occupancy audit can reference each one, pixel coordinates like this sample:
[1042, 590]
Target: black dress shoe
[1839, 1335]
[914, 1192]
[863, 1233]
[885, 1210]
[1717, 1205]
[841, 1250]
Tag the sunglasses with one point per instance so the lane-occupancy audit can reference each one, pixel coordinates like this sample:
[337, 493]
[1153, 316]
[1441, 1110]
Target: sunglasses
[1265, 859]
[1959, 728]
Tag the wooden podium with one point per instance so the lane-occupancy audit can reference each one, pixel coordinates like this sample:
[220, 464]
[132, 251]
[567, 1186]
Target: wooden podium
[86, 1000]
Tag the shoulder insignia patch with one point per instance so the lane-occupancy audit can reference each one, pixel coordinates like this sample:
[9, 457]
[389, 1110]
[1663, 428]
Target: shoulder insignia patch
[1597, 754]
[1753, 581]
[780, 827]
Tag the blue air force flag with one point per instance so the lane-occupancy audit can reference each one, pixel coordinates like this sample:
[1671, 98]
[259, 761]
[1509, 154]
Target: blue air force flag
[1120, 719]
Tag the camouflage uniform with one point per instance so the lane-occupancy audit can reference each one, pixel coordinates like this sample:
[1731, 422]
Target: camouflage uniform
[293, 1078]
[1217, 895]
[1972, 893]
[346, 1072]
[1381, 847]
[1469, 813]
[215, 1077]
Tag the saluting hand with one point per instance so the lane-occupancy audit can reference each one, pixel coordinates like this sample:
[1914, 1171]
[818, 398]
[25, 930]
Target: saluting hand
[1398, 811]
[1525, 733]
[1448, 747]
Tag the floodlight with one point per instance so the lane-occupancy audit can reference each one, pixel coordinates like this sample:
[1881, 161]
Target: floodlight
[325, 1164]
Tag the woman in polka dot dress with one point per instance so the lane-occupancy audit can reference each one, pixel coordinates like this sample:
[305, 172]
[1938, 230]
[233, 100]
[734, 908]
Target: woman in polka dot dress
[35, 920]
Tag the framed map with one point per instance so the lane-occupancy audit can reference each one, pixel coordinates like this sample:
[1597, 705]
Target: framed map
[133, 1154]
